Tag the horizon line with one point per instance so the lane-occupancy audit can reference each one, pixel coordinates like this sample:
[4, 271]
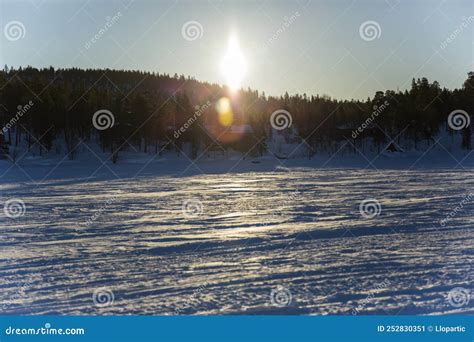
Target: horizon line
[241, 89]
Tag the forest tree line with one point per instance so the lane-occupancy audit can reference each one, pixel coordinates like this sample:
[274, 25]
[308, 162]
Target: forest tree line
[41, 106]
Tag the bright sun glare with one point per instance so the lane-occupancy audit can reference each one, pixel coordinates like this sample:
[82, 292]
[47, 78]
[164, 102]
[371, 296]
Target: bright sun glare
[233, 65]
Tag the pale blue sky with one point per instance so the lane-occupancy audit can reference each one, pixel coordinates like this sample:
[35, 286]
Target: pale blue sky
[320, 51]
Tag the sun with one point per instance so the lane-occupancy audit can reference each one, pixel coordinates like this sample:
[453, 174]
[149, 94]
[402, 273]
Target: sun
[233, 65]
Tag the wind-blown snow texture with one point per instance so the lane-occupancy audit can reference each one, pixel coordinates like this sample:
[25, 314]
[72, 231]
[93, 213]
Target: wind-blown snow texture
[299, 228]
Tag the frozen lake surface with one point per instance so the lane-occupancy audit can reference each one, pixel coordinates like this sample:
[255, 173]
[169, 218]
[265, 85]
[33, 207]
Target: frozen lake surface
[283, 242]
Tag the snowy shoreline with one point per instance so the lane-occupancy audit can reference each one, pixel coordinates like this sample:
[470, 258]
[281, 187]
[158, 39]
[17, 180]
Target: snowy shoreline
[98, 166]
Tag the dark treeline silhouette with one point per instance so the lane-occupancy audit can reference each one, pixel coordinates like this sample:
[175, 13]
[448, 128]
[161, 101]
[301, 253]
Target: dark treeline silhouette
[41, 107]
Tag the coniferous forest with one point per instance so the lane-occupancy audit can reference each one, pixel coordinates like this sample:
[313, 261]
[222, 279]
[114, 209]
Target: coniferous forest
[43, 106]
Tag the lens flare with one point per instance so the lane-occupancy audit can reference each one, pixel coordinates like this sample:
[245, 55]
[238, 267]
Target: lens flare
[224, 112]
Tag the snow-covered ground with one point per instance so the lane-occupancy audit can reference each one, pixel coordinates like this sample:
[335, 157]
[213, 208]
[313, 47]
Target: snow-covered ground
[184, 238]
